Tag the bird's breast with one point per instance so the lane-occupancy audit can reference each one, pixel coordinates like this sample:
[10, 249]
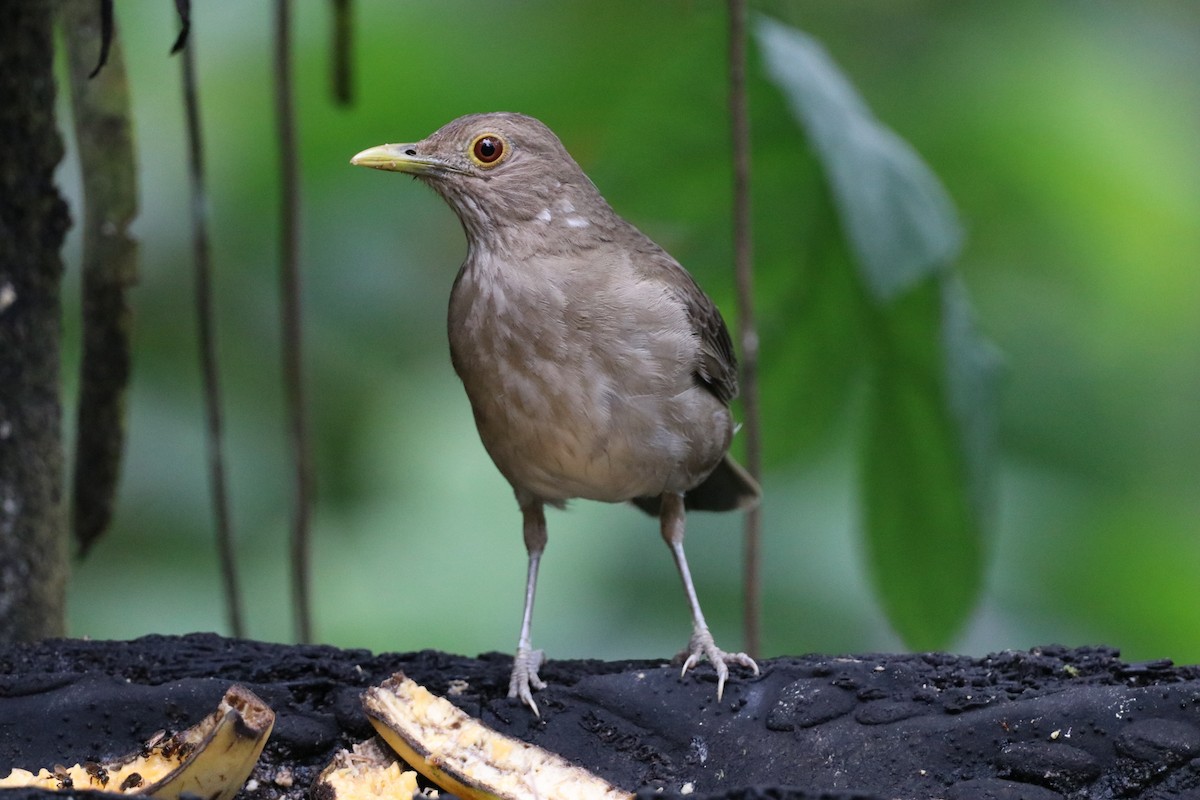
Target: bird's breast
[582, 384]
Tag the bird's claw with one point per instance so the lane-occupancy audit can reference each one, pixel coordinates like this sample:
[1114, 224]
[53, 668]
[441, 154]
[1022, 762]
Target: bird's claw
[525, 678]
[702, 646]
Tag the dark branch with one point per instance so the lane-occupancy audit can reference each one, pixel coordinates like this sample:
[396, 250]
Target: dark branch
[208, 349]
[343, 42]
[748, 334]
[184, 9]
[293, 374]
[106, 35]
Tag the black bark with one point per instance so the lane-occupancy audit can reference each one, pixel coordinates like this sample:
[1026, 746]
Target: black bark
[33, 222]
[1043, 724]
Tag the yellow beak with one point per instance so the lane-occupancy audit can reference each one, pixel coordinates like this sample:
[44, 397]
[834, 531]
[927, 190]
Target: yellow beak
[398, 158]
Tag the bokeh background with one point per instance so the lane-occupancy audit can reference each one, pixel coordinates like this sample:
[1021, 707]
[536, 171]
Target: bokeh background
[1065, 131]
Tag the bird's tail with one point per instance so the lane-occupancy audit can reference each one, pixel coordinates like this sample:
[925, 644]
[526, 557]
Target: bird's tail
[729, 487]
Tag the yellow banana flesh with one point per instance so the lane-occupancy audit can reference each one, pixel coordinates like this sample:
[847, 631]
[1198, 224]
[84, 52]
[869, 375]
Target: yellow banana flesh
[462, 755]
[210, 760]
[370, 771]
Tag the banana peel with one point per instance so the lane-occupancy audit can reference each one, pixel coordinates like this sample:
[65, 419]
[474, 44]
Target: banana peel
[210, 760]
[463, 756]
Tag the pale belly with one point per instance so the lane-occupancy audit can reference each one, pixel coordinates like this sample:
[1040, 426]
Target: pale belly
[582, 425]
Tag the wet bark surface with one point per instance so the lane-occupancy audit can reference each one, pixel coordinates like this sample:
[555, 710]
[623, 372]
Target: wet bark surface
[1043, 724]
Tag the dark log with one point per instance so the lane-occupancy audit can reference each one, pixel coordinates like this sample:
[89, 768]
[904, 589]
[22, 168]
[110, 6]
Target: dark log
[1048, 723]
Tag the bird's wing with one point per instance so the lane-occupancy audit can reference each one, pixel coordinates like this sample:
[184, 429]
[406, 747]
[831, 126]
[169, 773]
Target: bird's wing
[716, 365]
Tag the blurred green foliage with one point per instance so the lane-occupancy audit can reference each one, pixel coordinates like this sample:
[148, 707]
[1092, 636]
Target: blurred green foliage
[1064, 132]
[929, 427]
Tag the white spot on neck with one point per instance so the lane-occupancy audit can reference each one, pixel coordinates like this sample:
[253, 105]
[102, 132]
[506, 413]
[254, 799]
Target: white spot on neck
[577, 222]
[544, 215]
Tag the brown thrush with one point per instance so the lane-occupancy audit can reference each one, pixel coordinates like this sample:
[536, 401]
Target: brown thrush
[595, 365]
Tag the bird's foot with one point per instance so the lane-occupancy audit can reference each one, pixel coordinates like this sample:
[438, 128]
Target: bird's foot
[525, 676]
[702, 646]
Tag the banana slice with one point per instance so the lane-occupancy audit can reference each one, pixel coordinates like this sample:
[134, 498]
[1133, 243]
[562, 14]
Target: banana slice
[368, 772]
[211, 759]
[462, 755]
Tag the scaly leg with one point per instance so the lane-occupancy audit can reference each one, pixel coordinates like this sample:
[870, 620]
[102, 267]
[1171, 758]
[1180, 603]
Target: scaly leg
[701, 645]
[527, 660]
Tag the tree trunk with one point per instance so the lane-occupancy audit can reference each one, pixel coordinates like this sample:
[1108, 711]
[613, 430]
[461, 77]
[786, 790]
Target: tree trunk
[33, 222]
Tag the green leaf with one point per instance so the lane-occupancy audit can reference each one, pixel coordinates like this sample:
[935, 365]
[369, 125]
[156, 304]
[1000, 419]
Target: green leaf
[900, 222]
[810, 313]
[930, 427]
[972, 375]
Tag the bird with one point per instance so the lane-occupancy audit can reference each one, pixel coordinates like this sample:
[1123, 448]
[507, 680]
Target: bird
[595, 365]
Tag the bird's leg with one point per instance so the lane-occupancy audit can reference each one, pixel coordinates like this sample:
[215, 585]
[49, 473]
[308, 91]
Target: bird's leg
[701, 645]
[527, 660]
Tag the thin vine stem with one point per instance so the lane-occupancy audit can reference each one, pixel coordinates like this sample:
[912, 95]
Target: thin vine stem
[206, 333]
[292, 339]
[743, 254]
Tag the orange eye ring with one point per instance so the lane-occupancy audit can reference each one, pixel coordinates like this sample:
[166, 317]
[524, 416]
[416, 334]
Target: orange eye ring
[488, 150]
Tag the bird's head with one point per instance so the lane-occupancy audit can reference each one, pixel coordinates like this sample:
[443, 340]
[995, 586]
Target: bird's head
[497, 170]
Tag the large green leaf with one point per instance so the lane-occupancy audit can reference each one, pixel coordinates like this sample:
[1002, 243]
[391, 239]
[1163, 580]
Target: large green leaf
[810, 313]
[900, 222]
[924, 491]
[930, 407]
[971, 366]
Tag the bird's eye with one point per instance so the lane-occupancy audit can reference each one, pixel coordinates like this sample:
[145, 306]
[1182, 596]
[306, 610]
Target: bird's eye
[487, 150]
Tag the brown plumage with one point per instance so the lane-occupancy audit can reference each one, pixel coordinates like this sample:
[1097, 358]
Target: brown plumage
[595, 365]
